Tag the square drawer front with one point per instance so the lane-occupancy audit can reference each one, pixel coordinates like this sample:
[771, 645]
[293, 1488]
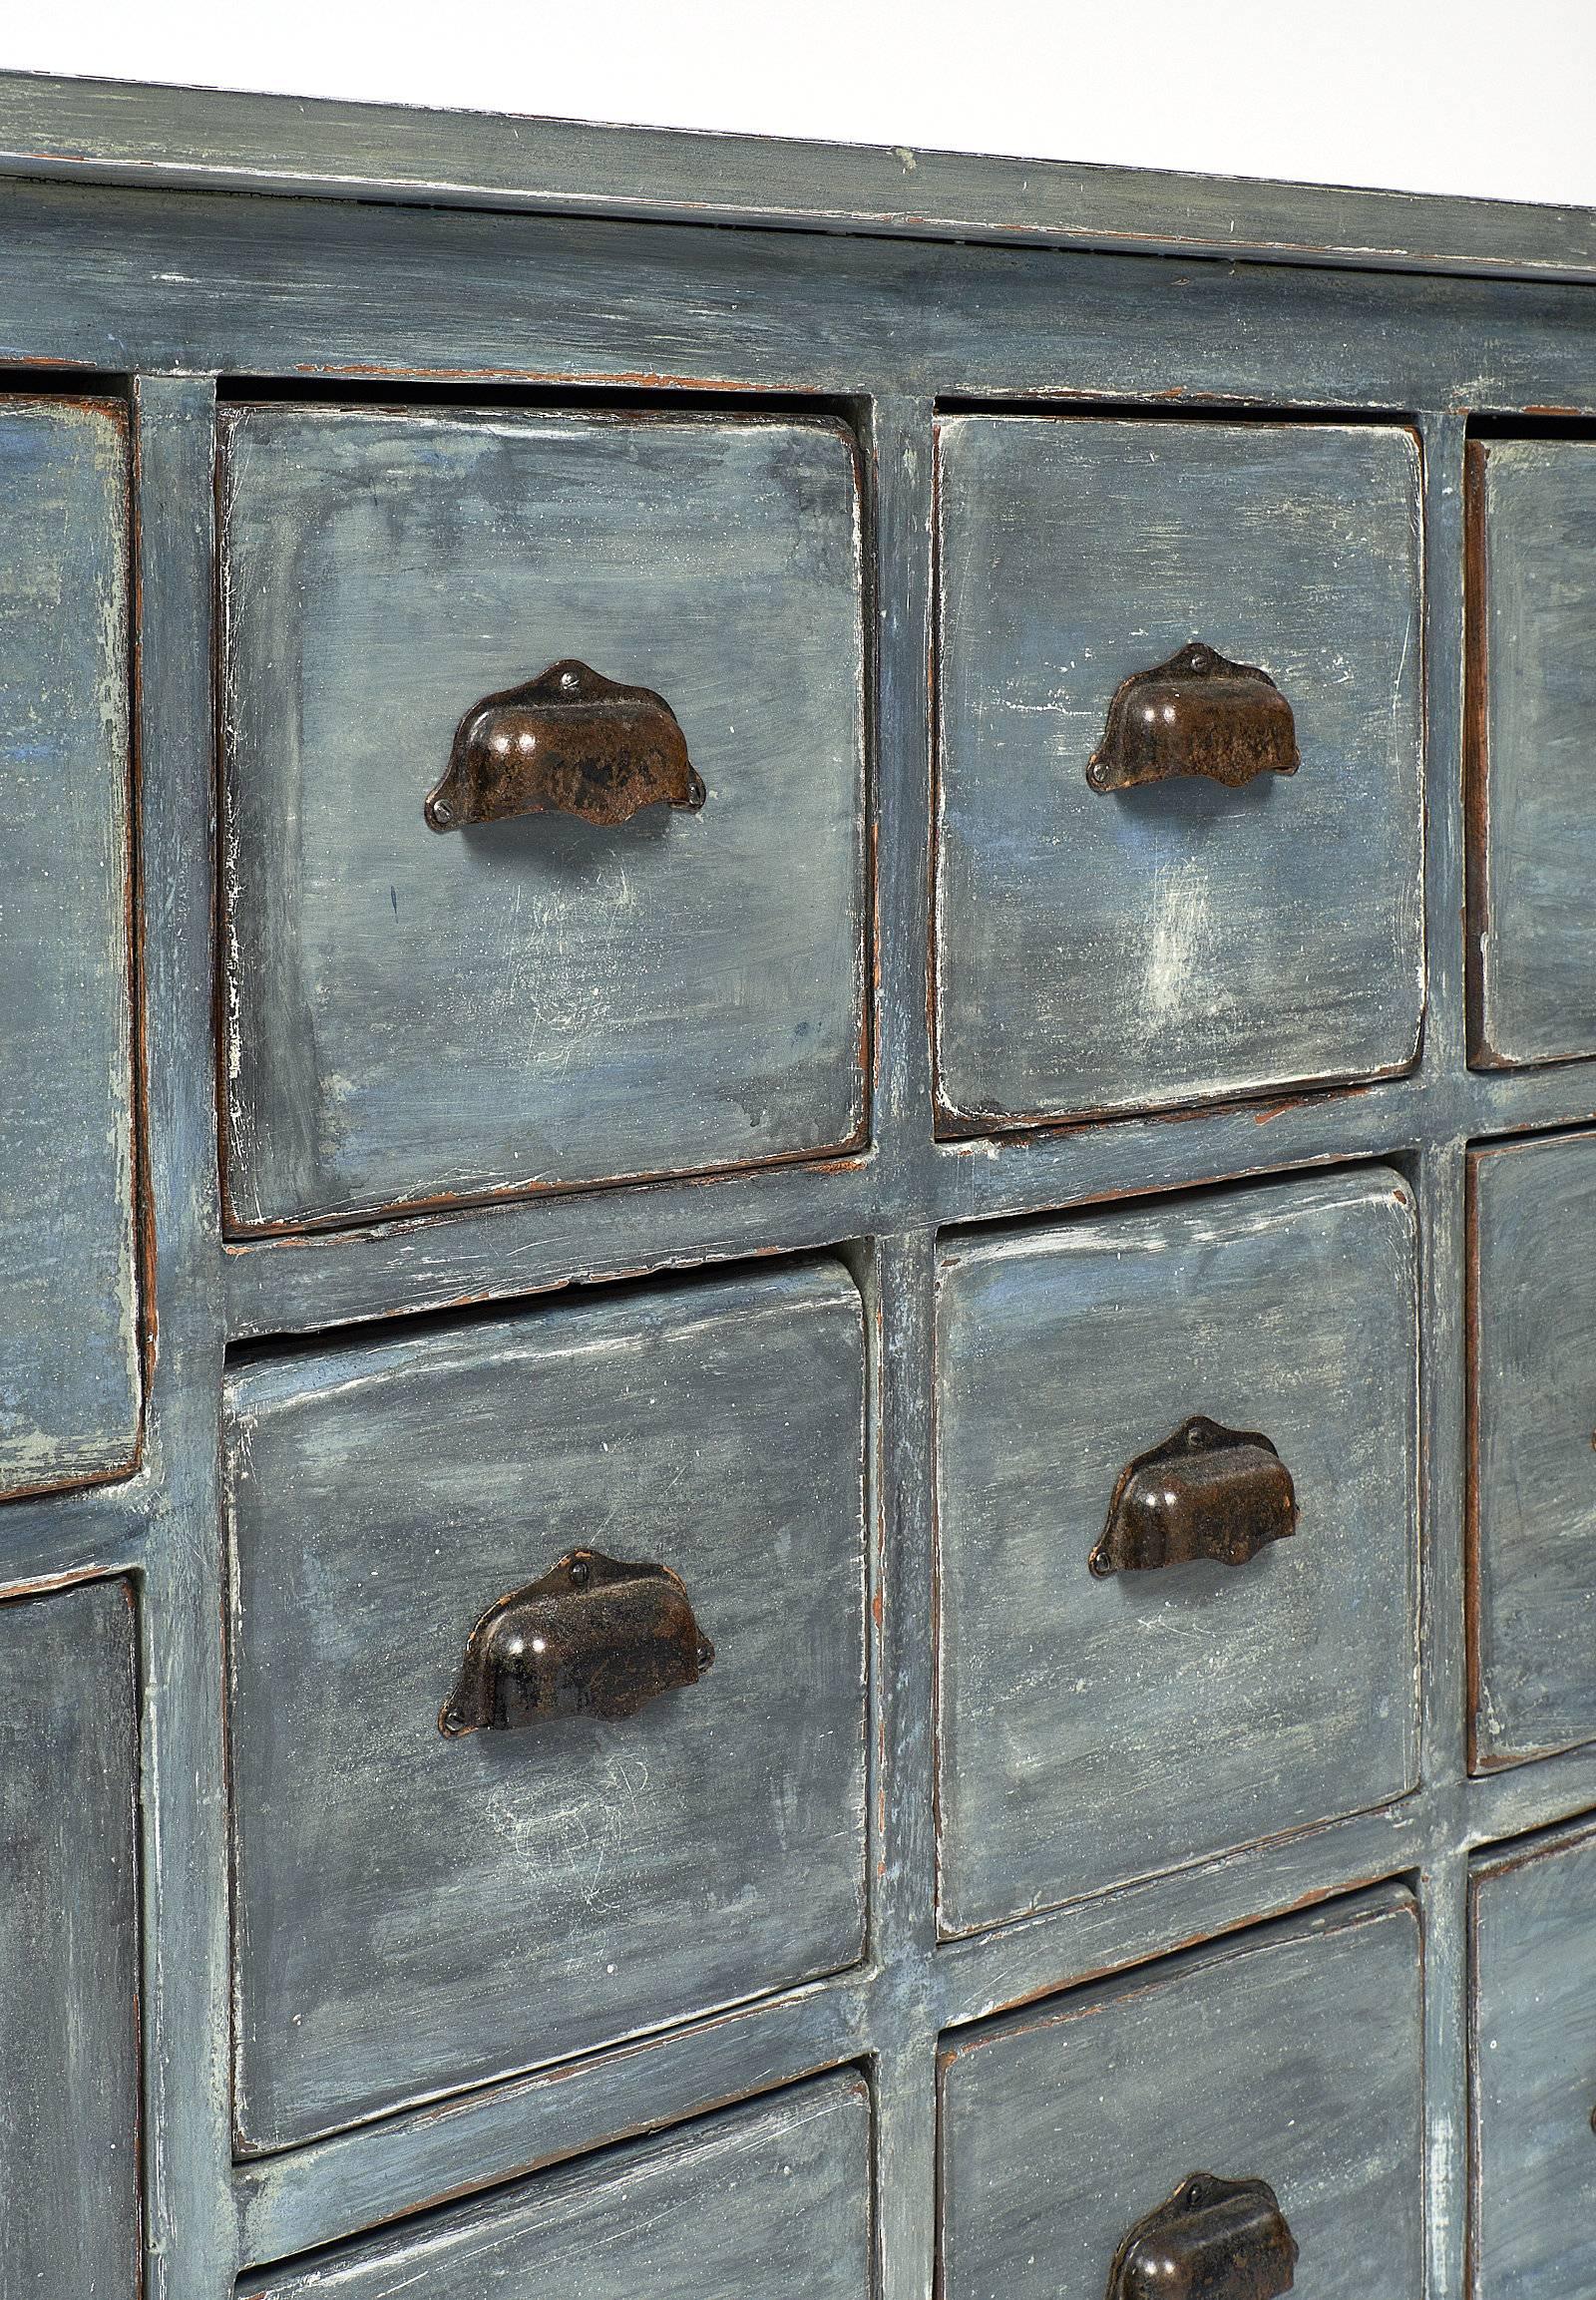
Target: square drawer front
[1532, 1611]
[1099, 1725]
[69, 1947]
[1125, 948]
[545, 999]
[69, 1345]
[1291, 2057]
[772, 2198]
[1534, 2091]
[1532, 609]
[419, 1906]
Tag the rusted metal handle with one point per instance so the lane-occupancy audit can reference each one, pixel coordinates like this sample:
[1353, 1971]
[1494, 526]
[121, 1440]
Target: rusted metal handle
[1207, 1491]
[1197, 714]
[593, 1638]
[569, 742]
[1212, 2239]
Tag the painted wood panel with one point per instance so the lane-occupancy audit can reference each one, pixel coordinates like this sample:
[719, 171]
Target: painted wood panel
[1533, 503]
[773, 2200]
[1167, 944]
[1533, 1551]
[108, 131]
[69, 1346]
[1096, 1731]
[417, 1016]
[415, 1913]
[1532, 2043]
[1290, 2056]
[69, 1948]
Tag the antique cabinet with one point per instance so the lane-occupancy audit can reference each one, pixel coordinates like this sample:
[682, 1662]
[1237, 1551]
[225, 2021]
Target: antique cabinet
[797, 1343]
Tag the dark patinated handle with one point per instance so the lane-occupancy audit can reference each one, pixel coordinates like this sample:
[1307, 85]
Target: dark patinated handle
[1207, 1491]
[593, 1638]
[569, 742]
[1197, 714]
[1212, 2239]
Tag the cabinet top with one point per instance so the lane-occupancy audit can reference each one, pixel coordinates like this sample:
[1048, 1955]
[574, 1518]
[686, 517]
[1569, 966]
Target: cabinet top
[116, 132]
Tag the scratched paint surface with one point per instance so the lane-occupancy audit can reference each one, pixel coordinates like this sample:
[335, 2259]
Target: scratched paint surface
[1293, 2058]
[68, 1364]
[1178, 942]
[1537, 977]
[1534, 2070]
[1534, 1556]
[536, 1002]
[69, 1948]
[1092, 1732]
[773, 2200]
[414, 1913]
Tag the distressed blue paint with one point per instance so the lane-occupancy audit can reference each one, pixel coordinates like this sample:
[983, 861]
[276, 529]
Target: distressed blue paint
[69, 1359]
[536, 1002]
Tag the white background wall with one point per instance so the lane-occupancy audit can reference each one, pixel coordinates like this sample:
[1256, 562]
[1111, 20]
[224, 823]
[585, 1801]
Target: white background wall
[1452, 96]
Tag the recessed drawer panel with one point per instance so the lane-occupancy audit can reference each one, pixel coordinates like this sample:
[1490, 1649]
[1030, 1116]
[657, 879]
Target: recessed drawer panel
[69, 1356]
[1534, 2043]
[1286, 2067]
[430, 1006]
[69, 1947]
[1141, 1662]
[1532, 609]
[773, 2200]
[474, 1837]
[1532, 1612]
[1141, 902]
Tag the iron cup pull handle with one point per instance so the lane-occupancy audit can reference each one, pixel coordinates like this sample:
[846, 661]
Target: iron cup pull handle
[595, 1637]
[569, 742]
[1212, 2239]
[1197, 714]
[1207, 1491]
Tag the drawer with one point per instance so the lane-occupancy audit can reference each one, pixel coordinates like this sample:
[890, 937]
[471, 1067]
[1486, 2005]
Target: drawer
[1533, 818]
[420, 1014]
[69, 1351]
[69, 1946]
[1180, 938]
[1291, 2057]
[420, 1907]
[772, 2198]
[1099, 1725]
[1534, 2070]
[1532, 1551]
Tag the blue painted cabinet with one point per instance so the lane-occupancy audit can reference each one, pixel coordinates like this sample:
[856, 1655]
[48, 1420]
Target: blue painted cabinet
[797, 1359]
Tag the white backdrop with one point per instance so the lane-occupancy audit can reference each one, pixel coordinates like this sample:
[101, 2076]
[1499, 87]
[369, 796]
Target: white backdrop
[1423, 94]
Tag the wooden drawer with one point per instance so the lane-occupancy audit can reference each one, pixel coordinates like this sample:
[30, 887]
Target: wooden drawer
[419, 1908]
[771, 2198]
[69, 1947]
[1534, 2091]
[1291, 2055]
[1181, 940]
[1532, 1552]
[69, 1351]
[1532, 822]
[418, 1016]
[1098, 1727]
